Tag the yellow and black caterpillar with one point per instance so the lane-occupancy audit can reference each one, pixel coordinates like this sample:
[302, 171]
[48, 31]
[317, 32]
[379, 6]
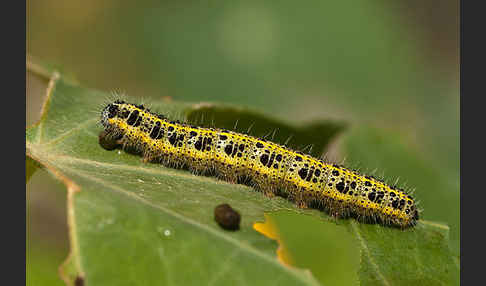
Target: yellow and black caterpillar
[270, 167]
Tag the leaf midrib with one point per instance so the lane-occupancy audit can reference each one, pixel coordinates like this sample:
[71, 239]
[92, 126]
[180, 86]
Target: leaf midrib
[365, 248]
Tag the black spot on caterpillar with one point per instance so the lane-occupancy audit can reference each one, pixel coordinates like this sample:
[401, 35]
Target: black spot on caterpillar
[227, 217]
[270, 167]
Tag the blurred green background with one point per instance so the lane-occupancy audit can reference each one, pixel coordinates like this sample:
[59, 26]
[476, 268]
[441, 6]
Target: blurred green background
[389, 68]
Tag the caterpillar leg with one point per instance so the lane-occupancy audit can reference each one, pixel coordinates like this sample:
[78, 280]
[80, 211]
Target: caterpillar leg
[269, 193]
[262, 183]
[146, 159]
[302, 204]
[226, 173]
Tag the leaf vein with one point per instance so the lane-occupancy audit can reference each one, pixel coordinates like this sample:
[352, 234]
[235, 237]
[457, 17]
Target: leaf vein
[66, 134]
[368, 254]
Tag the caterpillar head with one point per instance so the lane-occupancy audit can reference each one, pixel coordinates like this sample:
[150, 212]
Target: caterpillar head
[110, 111]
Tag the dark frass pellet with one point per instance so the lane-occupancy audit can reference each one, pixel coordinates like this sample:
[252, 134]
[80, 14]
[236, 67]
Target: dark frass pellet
[106, 142]
[227, 217]
[79, 281]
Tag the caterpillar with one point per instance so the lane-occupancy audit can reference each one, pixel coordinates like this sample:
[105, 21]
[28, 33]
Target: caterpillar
[271, 168]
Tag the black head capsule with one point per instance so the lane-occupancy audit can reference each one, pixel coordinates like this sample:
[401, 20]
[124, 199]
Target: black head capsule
[110, 111]
[107, 141]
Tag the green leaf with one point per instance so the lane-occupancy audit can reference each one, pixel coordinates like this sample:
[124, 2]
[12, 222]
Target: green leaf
[133, 223]
[420, 256]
